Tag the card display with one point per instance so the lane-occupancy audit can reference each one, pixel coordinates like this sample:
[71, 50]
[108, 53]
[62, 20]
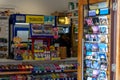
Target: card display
[103, 20]
[96, 47]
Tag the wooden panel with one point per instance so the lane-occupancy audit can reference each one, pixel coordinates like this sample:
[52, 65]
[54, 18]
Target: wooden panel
[118, 43]
[91, 1]
[80, 35]
[13, 73]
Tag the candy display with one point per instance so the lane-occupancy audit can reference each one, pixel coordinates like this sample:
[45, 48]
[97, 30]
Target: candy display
[35, 71]
[96, 47]
[45, 68]
[53, 76]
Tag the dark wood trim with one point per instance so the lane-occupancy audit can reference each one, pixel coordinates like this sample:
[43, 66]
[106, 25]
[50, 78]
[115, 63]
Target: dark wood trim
[83, 2]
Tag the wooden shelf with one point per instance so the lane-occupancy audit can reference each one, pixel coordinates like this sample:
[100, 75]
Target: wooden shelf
[74, 17]
[70, 70]
[9, 61]
[17, 72]
[76, 9]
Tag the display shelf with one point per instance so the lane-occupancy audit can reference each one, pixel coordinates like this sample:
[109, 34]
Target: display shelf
[70, 70]
[36, 72]
[54, 71]
[74, 17]
[26, 67]
[20, 61]
[76, 9]
[15, 73]
[76, 32]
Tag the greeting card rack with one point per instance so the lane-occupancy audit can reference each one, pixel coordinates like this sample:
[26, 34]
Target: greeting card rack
[95, 37]
[96, 44]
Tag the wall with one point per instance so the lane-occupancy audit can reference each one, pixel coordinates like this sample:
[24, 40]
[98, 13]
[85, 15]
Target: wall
[35, 6]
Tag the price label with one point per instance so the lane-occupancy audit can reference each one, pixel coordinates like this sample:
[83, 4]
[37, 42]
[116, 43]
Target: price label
[57, 70]
[36, 71]
[52, 71]
[66, 79]
[40, 71]
[45, 71]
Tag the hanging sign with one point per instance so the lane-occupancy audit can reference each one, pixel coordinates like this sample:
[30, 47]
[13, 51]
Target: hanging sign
[49, 20]
[104, 11]
[92, 13]
[35, 19]
[98, 12]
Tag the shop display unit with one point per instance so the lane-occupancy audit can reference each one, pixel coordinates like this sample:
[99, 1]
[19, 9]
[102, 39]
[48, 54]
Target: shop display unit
[25, 70]
[58, 76]
[95, 37]
[4, 20]
[74, 36]
[36, 56]
[96, 44]
[63, 24]
[73, 9]
[72, 13]
[39, 31]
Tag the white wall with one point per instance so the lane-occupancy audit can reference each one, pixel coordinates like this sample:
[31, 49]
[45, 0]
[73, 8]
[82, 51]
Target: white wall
[45, 7]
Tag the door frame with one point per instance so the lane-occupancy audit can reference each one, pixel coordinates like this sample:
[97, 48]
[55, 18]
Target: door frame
[118, 42]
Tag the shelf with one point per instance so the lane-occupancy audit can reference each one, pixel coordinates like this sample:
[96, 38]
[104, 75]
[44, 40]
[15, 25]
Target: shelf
[76, 32]
[74, 17]
[30, 72]
[70, 70]
[76, 24]
[76, 9]
[12, 73]
[53, 71]
[76, 40]
[96, 42]
[9, 61]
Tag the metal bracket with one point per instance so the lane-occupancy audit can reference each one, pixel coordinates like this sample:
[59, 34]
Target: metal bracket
[113, 67]
[114, 6]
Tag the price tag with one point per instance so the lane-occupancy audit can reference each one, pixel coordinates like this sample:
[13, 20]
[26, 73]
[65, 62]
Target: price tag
[36, 71]
[45, 71]
[57, 70]
[52, 71]
[58, 79]
[70, 79]
[56, 45]
[40, 71]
